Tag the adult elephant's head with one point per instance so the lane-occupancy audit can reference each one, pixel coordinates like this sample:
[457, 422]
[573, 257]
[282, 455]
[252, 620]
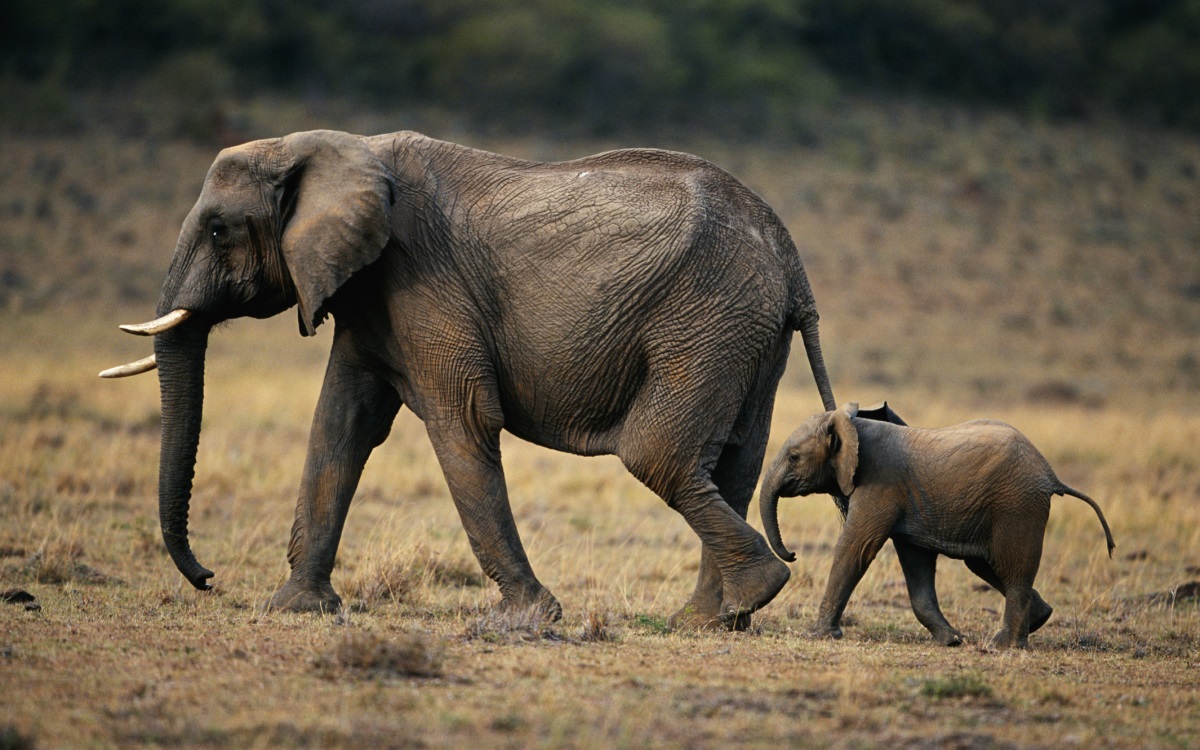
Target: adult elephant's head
[279, 222]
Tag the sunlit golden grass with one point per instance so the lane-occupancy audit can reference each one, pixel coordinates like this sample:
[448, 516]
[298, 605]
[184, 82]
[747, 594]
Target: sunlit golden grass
[963, 268]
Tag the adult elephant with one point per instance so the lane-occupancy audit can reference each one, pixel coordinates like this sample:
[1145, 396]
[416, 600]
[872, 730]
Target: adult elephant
[638, 303]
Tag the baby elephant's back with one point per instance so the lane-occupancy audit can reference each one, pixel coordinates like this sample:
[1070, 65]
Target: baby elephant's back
[988, 461]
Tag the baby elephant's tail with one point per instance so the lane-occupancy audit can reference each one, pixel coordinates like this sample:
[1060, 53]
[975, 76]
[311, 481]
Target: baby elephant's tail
[1065, 490]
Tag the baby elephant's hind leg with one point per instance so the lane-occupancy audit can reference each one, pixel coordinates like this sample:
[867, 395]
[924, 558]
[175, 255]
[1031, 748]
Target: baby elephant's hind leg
[1017, 583]
[1039, 610]
[1015, 629]
[920, 568]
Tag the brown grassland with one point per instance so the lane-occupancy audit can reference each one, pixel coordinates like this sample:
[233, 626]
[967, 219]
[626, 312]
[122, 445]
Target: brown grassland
[965, 264]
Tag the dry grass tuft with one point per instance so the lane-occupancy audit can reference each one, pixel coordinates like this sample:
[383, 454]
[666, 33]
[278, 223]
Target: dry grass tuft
[413, 654]
[390, 580]
[595, 628]
[57, 564]
[964, 685]
[406, 578]
[511, 626]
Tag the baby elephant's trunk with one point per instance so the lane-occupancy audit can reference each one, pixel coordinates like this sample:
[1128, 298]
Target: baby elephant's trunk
[768, 506]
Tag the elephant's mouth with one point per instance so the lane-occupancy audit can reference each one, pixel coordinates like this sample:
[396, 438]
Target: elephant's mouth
[799, 489]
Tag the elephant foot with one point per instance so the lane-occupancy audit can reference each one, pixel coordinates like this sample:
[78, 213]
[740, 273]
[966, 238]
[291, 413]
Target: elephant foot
[691, 618]
[821, 631]
[747, 589]
[950, 637]
[295, 597]
[1006, 640]
[1039, 613]
[533, 603]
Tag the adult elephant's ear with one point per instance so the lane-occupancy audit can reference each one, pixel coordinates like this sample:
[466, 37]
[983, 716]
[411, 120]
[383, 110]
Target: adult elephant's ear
[843, 439]
[335, 203]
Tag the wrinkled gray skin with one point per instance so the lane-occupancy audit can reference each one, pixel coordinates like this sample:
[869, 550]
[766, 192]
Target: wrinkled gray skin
[979, 492]
[638, 303]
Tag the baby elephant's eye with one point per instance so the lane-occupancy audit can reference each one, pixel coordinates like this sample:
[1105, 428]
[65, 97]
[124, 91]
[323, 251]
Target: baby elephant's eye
[793, 457]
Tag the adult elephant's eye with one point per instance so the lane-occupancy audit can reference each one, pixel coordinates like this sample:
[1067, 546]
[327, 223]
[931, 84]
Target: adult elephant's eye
[218, 232]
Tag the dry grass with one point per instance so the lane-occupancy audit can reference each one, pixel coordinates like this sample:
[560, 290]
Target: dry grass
[964, 267]
[408, 655]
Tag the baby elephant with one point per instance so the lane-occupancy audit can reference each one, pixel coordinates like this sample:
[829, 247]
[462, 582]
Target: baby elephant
[978, 491]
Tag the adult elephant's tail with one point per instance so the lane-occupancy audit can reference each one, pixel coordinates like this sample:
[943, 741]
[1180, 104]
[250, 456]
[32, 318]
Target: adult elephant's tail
[803, 318]
[812, 347]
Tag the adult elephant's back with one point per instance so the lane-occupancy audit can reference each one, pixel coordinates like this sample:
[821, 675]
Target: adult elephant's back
[601, 273]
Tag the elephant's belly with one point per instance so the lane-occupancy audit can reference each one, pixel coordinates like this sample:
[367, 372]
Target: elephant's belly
[957, 548]
[571, 392]
[581, 443]
[579, 416]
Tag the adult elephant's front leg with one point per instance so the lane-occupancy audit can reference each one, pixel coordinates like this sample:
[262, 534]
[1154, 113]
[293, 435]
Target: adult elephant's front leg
[354, 415]
[471, 464]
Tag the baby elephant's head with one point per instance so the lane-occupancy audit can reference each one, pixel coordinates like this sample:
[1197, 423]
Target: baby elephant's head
[820, 456]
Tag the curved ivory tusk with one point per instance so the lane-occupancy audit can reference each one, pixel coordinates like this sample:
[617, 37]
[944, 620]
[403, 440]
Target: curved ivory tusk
[165, 323]
[133, 368]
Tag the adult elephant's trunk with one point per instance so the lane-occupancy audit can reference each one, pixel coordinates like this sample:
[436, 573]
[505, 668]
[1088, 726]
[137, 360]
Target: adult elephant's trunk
[180, 354]
[812, 347]
[768, 506]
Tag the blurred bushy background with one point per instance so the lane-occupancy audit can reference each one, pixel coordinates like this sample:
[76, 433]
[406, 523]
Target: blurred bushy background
[746, 67]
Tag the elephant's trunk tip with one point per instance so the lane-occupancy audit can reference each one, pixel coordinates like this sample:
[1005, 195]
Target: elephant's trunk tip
[200, 577]
[185, 560]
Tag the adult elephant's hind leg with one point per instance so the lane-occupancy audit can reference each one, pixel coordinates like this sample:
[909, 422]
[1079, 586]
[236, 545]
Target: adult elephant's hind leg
[750, 574]
[735, 477]
[703, 610]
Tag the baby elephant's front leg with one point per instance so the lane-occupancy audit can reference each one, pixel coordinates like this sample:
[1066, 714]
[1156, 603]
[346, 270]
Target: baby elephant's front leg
[862, 536]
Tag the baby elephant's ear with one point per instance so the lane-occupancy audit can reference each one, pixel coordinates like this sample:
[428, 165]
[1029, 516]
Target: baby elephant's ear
[880, 412]
[844, 438]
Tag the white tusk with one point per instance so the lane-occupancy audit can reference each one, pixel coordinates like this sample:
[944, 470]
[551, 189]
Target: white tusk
[165, 323]
[133, 368]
